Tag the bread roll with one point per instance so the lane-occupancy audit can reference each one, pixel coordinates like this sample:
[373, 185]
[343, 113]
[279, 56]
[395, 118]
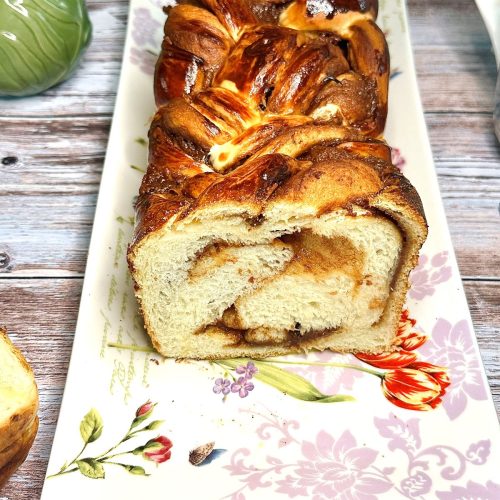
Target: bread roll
[18, 408]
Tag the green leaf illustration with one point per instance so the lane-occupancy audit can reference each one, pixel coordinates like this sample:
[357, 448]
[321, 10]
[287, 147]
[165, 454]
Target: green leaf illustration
[289, 383]
[135, 470]
[91, 468]
[155, 424]
[91, 426]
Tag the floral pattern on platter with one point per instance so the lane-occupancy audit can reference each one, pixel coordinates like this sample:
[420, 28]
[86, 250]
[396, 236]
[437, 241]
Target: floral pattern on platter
[144, 27]
[452, 345]
[241, 385]
[398, 160]
[342, 468]
[406, 381]
[429, 273]
[144, 59]
[157, 450]
[472, 490]
[145, 33]
[334, 379]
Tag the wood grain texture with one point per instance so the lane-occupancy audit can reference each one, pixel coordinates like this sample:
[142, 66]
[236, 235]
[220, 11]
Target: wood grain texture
[47, 197]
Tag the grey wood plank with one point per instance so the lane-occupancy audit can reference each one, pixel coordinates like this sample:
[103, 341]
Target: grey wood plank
[455, 65]
[464, 137]
[446, 23]
[45, 234]
[455, 79]
[63, 155]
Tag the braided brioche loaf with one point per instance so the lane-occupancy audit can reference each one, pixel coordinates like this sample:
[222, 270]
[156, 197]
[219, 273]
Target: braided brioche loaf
[270, 219]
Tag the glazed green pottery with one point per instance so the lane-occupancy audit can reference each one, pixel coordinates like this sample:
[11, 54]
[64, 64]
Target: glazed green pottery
[41, 42]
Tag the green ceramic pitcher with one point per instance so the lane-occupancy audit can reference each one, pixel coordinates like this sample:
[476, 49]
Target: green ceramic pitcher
[41, 42]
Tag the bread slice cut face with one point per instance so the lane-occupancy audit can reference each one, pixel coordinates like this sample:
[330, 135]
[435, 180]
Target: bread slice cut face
[281, 255]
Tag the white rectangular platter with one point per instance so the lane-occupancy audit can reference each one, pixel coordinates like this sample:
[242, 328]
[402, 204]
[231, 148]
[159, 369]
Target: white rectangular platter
[129, 418]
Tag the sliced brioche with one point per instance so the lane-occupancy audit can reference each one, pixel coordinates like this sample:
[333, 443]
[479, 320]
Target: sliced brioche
[321, 262]
[18, 407]
[270, 219]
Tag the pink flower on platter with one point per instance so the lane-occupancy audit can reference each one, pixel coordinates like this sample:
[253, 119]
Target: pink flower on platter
[158, 449]
[248, 370]
[329, 380]
[402, 434]
[144, 27]
[417, 484]
[472, 491]
[143, 58]
[428, 274]
[335, 469]
[222, 385]
[145, 409]
[452, 346]
[242, 386]
[479, 452]
[398, 159]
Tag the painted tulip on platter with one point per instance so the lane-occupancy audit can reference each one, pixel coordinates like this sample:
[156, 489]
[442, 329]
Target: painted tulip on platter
[419, 386]
[158, 449]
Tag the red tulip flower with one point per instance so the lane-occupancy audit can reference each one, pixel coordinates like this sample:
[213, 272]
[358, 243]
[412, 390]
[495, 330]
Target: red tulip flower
[439, 373]
[406, 341]
[158, 449]
[419, 386]
[388, 360]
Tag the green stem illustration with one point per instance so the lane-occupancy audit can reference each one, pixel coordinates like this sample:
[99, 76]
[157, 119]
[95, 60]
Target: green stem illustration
[129, 347]
[317, 363]
[91, 428]
[61, 473]
[139, 169]
[65, 466]
[105, 455]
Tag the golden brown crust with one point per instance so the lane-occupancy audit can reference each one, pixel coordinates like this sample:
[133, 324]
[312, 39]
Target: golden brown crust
[18, 429]
[235, 76]
[274, 102]
[16, 460]
[15, 351]
[338, 177]
[293, 62]
[11, 426]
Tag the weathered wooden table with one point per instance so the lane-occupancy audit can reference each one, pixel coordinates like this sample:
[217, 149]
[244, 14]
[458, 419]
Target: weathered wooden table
[47, 196]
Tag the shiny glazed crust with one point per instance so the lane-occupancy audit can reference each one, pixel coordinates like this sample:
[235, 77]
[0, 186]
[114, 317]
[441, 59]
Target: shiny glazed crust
[265, 103]
[21, 452]
[18, 429]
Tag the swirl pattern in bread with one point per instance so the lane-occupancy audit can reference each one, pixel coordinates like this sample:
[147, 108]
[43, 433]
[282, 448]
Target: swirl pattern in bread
[270, 219]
